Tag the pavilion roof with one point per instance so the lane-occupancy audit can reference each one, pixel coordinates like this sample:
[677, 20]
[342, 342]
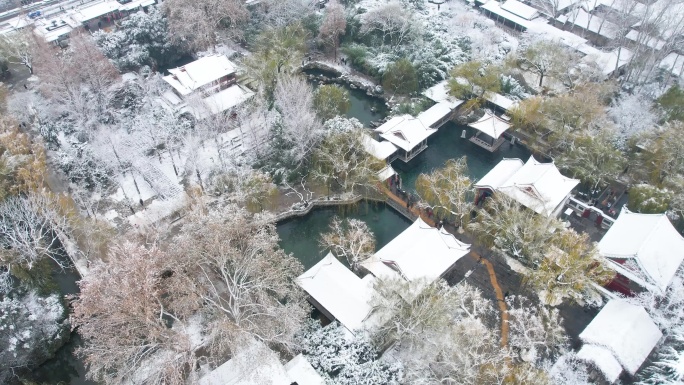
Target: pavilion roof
[405, 131]
[491, 125]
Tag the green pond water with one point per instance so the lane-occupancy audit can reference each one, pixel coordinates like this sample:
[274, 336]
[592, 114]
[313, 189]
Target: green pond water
[447, 144]
[363, 107]
[300, 235]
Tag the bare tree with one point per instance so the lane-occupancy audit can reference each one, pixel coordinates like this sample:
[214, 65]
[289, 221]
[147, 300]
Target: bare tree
[233, 266]
[145, 312]
[536, 332]
[195, 24]
[350, 240]
[391, 22]
[280, 13]
[301, 127]
[19, 46]
[544, 58]
[440, 333]
[29, 228]
[130, 330]
[334, 25]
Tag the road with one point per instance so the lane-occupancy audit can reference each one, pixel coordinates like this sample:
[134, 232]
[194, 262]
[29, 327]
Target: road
[46, 7]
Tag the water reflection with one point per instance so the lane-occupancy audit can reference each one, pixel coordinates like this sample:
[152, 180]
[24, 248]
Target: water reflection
[447, 144]
[300, 235]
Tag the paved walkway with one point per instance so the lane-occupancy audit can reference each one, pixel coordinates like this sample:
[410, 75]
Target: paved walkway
[415, 212]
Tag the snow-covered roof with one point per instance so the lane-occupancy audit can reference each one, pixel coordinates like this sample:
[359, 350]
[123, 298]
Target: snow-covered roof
[652, 42]
[405, 131]
[593, 23]
[501, 173]
[520, 9]
[673, 63]
[136, 4]
[254, 364]
[491, 125]
[203, 71]
[535, 185]
[381, 150]
[386, 173]
[52, 30]
[228, 98]
[339, 291]
[421, 252]
[603, 359]
[86, 14]
[626, 331]
[650, 240]
[607, 62]
[440, 92]
[495, 8]
[501, 101]
[437, 112]
[300, 371]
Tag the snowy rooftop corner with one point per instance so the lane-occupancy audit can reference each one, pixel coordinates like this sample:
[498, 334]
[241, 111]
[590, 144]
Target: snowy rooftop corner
[380, 150]
[648, 239]
[340, 293]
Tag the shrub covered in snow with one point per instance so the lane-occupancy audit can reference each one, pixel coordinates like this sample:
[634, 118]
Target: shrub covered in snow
[343, 360]
[143, 39]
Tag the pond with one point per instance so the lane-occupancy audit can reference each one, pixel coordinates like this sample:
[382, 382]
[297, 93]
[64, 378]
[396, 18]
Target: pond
[65, 368]
[363, 107]
[300, 235]
[447, 144]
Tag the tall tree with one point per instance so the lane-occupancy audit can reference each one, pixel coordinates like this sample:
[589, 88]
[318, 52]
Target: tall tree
[196, 24]
[350, 240]
[333, 26]
[294, 100]
[536, 331]
[145, 312]
[330, 101]
[127, 322]
[474, 81]
[440, 332]
[400, 77]
[277, 52]
[447, 190]
[592, 158]
[570, 269]
[544, 58]
[342, 159]
[19, 47]
[514, 230]
[391, 23]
